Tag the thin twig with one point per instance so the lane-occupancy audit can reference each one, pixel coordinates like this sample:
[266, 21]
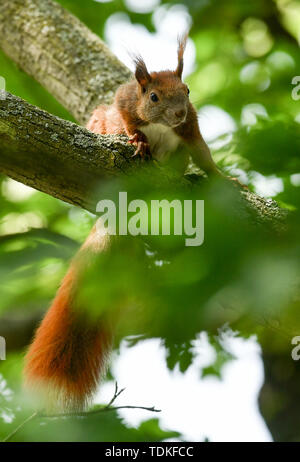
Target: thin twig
[151, 409]
[31, 417]
[106, 408]
[96, 411]
[116, 394]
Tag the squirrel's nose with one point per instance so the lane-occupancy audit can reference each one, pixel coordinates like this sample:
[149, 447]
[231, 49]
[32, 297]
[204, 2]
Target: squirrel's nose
[180, 114]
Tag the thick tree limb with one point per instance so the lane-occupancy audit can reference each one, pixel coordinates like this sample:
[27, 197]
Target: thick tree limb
[42, 151]
[56, 156]
[61, 53]
[67, 161]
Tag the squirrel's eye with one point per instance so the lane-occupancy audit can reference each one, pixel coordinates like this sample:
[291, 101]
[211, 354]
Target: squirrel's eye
[154, 97]
[188, 90]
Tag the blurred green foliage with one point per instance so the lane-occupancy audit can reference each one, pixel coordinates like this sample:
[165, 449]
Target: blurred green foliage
[244, 274]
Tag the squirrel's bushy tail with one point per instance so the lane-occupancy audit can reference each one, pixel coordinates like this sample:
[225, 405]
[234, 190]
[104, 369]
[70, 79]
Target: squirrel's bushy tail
[69, 352]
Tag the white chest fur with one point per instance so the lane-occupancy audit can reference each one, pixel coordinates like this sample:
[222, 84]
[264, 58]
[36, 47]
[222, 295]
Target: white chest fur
[163, 140]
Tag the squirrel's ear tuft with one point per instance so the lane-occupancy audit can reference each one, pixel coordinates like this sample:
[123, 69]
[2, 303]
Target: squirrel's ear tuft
[141, 73]
[180, 52]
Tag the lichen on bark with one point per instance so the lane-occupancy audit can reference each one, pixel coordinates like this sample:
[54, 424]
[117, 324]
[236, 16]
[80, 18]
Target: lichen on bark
[75, 66]
[61, 53]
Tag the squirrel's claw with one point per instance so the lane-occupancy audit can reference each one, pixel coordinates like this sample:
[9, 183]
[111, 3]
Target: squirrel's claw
[142, 150]
[142, 146]
[133, 139]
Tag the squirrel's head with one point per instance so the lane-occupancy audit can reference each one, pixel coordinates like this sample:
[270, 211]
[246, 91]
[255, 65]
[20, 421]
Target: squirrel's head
[163, 97]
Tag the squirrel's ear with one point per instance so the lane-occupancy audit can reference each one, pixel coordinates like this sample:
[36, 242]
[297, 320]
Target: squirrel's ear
[180, 52]
[141, 73]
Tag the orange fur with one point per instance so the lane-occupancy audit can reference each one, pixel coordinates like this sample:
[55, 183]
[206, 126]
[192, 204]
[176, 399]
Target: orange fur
[134, 109]
[69, 353]
[106, 120]
[181, 48]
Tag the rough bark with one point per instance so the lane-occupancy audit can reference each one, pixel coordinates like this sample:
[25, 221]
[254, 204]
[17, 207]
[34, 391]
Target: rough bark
[61, 53]
[56, 156]
[63, 159]
[67, 161]
[77, 68]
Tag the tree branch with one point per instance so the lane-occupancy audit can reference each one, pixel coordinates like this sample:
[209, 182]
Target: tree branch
[61, 53]
[99, 410]
[67, 161]
[63, 159]
[56, 156]
[45, 152]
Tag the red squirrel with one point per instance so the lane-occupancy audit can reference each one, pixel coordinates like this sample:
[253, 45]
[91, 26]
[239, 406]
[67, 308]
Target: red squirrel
[68, 355]
[155, 112]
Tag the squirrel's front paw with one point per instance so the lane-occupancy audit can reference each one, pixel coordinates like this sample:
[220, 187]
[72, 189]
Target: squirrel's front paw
[142, 145]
